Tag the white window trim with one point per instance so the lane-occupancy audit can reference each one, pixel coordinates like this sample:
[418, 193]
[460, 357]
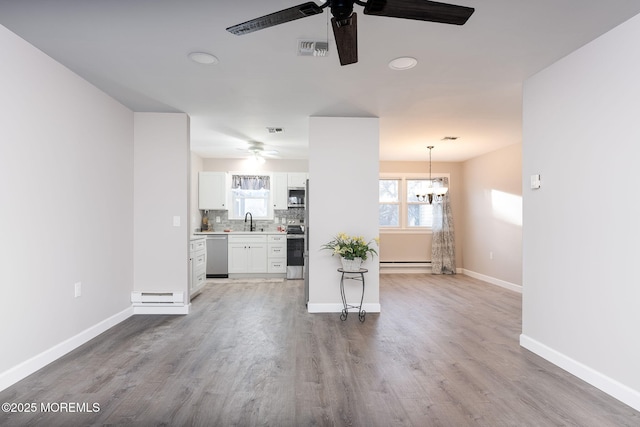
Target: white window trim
[403, 177]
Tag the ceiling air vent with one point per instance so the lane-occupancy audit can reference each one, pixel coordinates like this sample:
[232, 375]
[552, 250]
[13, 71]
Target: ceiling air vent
[312, 48]
[275, 130]
[449, 138]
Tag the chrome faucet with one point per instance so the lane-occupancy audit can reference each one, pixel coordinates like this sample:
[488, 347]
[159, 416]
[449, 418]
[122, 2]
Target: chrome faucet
[250, 220]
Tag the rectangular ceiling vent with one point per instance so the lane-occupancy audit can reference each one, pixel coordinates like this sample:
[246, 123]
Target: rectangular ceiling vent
[275, 130]
[312, 48]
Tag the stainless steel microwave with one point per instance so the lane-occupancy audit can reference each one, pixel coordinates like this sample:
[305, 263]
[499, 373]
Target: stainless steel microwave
[296, 198]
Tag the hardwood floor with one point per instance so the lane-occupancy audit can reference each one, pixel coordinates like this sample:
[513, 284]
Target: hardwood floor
[443, 352]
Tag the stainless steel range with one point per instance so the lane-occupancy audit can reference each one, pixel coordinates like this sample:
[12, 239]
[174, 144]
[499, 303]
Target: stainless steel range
[295, 252]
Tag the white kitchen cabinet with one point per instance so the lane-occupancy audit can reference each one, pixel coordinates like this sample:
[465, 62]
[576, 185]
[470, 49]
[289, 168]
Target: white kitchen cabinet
[277, 253]
[198, 262]
[248, 253]
[297, 179]
[212, 190]
[279, 189]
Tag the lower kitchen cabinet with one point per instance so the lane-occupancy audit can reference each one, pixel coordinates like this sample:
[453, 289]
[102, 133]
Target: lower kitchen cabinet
[277, 253]
[198, 263]
[248, 254]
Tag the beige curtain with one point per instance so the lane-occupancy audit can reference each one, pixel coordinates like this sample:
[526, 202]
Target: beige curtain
[443, 253]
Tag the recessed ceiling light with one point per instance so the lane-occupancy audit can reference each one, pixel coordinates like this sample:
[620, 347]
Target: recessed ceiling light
[403, 63]
[203, 58]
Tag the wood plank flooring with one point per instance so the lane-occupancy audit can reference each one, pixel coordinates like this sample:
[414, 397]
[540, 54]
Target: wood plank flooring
[443, 352]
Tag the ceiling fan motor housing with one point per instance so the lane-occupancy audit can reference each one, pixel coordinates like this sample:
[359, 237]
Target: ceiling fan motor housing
[342, 10]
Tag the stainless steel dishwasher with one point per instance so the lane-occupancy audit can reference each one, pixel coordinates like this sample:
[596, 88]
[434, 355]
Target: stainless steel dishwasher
[217, 253]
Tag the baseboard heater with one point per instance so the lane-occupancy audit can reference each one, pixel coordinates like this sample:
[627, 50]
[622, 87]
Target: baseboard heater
[157, 299]
[408, 264]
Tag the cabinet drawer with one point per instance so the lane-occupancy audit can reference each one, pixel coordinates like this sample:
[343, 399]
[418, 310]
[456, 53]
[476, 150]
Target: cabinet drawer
[247, 238]
[278, 266]
[277, 251]
[199, 260]
[197, 245]
[200, 270]
[199, 280]
[277, 238]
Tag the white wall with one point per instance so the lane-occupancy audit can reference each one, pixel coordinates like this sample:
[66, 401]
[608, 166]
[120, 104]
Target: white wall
[161, 177]
[492, 216]
[244, 165]
[343, 197]
[580, 293]
[197, 165]
[66, 194]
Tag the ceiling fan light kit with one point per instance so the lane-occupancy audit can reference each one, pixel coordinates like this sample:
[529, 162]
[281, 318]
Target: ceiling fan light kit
[257, 152]
[344, 20]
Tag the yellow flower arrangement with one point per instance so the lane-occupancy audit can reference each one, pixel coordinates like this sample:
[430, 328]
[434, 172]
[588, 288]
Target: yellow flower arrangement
[350, 247]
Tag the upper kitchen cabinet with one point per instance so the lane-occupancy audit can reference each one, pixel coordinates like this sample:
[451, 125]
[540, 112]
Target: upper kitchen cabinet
[279, 190]
[212, 190]
[297, 179]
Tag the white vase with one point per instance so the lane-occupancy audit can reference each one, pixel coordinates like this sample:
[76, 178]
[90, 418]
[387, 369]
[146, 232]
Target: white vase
[351, 264]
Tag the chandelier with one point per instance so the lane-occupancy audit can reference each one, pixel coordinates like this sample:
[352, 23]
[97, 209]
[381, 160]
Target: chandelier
[430, 192]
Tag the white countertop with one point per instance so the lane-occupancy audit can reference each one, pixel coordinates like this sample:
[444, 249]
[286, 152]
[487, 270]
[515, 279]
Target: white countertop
[207, 233]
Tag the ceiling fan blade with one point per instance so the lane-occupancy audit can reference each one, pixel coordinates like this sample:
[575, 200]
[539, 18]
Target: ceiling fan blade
[422, 10]
[346, 35]
[291, 14]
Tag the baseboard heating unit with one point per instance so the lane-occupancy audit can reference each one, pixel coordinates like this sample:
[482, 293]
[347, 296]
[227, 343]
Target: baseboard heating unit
[158, 302]
[405, 266]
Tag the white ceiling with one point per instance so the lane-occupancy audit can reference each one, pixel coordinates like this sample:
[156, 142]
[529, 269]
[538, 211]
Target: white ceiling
[467, 84]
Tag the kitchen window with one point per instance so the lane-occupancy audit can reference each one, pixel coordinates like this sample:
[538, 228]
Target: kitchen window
[251, 193]
[399, 207]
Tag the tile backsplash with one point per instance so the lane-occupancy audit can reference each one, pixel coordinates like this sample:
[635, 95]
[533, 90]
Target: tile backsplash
[290, 216]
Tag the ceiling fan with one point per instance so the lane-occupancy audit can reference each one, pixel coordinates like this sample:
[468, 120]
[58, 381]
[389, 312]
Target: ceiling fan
[257, 151]
[344, 19]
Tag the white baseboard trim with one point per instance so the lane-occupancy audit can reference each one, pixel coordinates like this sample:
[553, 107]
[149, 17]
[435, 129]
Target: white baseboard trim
[493, 281]
[29, 366]
[619, 391]
[161, 309]
[337, 308]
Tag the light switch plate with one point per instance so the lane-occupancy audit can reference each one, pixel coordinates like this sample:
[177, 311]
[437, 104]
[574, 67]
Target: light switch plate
[176, 221]
[535, 182]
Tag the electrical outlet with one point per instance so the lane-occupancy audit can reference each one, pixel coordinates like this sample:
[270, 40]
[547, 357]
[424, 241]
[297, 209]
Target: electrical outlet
[218, 219]
[490, 254]
[78, 289]
[176, 221]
